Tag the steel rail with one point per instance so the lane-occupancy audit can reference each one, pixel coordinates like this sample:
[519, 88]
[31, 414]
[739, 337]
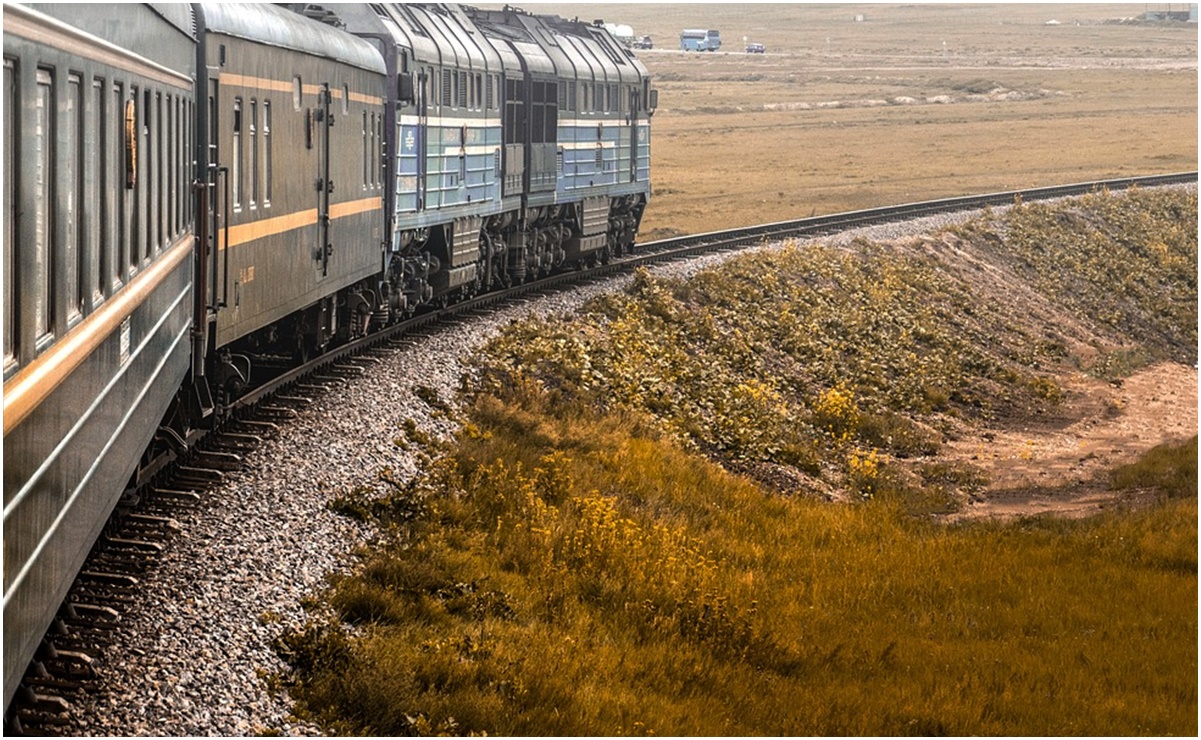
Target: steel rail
[665, 250]
[651, 252]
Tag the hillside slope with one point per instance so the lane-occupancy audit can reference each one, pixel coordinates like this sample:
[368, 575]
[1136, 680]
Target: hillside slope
[796, 365]
[572, 564]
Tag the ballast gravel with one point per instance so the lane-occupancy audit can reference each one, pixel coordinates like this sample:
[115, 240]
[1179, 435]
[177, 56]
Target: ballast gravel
[192, 654]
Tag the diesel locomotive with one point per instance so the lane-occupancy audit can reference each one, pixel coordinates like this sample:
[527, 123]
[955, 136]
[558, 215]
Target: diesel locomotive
[191, 189]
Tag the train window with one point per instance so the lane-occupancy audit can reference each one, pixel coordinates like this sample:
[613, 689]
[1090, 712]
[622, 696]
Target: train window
[514, 111]
[345, 99]
[10, 113]
[366, 153]
[160, 171]
[479, 91]
[145, 190]
[267, 152]
[181, 163]
[113, 192]
[72, 197]
[187, 172]
[552, 119]
[180, 173]
[254, 153]
[166, 146]
[93, 175]
[43, 162]
[537, 113]
[132, 234]
[235, 175]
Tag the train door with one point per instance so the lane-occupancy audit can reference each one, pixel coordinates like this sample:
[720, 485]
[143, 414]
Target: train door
[215, 210]
[633, 99]
[319, 128]
[423, 96]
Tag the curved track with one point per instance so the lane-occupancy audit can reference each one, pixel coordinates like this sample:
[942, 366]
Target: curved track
[108, 566]
[672, 249]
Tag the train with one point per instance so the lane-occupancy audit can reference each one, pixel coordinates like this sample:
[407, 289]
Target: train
[194, 190]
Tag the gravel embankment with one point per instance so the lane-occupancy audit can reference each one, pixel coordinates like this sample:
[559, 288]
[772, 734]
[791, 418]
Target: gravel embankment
[190, 655]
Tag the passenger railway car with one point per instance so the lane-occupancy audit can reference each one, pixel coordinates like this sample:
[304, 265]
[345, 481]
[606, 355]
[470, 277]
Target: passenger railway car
[291, 119]
[192, 192]
[98, 132]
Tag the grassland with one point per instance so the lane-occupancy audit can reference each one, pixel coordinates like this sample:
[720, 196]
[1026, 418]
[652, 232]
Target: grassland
[840, 115]
[633, 533]
[571, 566]
[618, 587]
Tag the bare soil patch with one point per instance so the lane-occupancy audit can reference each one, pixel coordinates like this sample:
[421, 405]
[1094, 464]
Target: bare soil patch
[1062, 466]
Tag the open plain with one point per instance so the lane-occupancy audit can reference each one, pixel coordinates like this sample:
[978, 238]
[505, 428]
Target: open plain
[954, 630]
[909, 103]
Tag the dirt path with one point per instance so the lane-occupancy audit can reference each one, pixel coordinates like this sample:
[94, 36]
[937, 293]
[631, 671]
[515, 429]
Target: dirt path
[1064, 470]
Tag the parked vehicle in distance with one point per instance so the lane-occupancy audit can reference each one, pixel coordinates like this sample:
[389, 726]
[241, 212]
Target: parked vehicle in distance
[755, 49]
[643, 42]
[700, 40]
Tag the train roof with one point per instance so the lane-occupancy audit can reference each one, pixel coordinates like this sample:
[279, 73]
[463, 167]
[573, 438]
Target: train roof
[443, 34]
[552, 44]
[162, 33]
[275, 26]
[518, 31]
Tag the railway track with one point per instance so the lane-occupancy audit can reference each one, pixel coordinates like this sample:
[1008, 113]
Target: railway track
[173, 483]
[688, 246]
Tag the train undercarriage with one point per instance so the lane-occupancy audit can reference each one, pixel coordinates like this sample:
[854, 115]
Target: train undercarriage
[432, 267]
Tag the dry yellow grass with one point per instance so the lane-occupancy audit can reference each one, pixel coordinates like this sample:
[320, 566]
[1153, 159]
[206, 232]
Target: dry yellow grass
[840, 115]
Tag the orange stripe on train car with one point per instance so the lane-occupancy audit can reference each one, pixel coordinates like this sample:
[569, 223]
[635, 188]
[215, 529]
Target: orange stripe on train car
[264, 83]
[262, 228]
[26, 390]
